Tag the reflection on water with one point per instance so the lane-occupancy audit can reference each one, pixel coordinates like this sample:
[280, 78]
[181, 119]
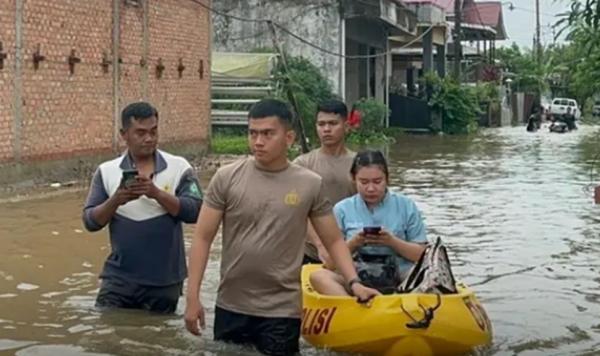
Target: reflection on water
[514, 208]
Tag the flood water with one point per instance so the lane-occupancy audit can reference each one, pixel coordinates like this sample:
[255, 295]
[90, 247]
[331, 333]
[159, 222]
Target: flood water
[515, 209]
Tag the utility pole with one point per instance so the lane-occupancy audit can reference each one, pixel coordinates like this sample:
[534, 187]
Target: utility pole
[289, 91]
[457, 38]
[538, 38]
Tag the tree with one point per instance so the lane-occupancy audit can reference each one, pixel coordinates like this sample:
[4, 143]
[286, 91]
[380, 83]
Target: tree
[582, 25]
[527, 74]
[582, 20]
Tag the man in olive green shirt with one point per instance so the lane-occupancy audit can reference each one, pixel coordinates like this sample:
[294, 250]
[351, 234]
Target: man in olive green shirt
[331, 161]
[264, 203]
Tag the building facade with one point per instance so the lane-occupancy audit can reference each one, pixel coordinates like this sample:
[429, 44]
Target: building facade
[67, 68]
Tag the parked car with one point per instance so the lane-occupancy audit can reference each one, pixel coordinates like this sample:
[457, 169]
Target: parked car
[564, 106]
[596, 108]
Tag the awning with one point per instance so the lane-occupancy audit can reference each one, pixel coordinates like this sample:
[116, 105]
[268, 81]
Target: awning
[236, 65]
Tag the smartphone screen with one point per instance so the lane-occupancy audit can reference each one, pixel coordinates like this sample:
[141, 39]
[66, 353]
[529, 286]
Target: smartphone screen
[128, 177]
[371, 230]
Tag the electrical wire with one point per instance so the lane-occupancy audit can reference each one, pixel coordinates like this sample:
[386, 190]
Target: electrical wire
[305, 41]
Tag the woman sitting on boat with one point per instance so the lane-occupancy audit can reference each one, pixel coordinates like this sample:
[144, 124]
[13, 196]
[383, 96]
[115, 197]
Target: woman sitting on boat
[384, 230]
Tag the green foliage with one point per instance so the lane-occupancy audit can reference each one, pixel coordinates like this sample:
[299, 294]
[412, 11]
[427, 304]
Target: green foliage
[487, 93]
[457, 104]
[372, 127]
[373, 115]
[578, 63]
[525, 71]
[309, 87]
[229, 144]
[236, 143]
[582, 20]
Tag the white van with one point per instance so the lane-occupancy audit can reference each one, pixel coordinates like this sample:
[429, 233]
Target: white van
[560, 106]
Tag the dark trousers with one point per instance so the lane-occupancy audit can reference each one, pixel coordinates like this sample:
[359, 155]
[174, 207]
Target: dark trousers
[270, 336]
[117, 293]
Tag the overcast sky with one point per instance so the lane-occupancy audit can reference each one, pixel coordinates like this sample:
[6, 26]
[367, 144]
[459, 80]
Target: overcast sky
[520, 22]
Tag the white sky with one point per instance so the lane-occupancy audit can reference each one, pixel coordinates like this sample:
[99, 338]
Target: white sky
[520, 22]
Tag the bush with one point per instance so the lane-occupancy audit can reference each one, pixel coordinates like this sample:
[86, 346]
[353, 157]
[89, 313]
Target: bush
[309, 86]
[458, 105]
[236, 143]
[373, 115]
[372, 127]
[230, 144]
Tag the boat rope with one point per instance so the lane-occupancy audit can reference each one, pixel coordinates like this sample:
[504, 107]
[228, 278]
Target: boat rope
[428, 314]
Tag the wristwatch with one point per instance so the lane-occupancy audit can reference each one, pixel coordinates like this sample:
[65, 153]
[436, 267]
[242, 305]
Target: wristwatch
[351, 283]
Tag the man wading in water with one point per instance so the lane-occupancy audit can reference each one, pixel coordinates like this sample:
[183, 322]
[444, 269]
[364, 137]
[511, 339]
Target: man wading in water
[332, 161]
[144, 196]
[264, 202]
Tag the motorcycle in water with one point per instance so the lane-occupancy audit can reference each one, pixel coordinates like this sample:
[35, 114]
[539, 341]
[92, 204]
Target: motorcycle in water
[564, 123]
[559, 127]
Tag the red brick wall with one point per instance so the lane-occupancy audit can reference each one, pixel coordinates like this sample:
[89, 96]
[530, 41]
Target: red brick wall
[65, 115]
[177, 98]
[7, 36]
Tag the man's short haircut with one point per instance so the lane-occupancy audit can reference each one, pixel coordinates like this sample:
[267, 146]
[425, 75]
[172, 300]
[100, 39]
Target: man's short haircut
[137, 111]
[333, 106]
[272, 107]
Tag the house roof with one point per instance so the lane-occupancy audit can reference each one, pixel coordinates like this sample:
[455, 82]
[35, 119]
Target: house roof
[485, 13]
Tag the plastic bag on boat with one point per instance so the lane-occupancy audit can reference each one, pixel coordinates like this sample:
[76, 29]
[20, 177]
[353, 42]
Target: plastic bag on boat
[432, 273]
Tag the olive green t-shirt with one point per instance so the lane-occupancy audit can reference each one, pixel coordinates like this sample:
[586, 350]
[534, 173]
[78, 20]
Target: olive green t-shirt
[264, 228]
[337, 182]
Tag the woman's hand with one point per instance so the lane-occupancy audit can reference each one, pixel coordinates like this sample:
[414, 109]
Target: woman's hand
[357, 241]
[384, 238]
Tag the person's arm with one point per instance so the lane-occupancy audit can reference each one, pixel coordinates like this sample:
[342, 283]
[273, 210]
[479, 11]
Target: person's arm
[184, 204]
[313, 237]
[189, 194]
[145, 186]
[409, 250]
[331, 236]
[412, 245]
[356, 242]
[206, 229]
[99, 208]
[211, 215]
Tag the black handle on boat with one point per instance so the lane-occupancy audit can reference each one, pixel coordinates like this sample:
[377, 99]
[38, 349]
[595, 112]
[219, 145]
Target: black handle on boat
[428, 314]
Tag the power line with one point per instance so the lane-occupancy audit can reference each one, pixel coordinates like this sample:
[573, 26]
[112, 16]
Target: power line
[383, 54]
[532, 11]
[218, 12]
[308, 43]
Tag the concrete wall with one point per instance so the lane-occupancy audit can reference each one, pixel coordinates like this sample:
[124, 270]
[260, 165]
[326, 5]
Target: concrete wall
[428, 14]
[49, 113]
[318, 21]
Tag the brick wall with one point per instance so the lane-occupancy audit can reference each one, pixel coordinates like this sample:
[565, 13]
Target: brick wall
[66, 115]
[7, 37]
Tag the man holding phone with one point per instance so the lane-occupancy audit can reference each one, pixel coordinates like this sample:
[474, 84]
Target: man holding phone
[144, 196]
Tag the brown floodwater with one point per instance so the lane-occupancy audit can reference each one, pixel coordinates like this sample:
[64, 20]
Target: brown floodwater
[514, 208]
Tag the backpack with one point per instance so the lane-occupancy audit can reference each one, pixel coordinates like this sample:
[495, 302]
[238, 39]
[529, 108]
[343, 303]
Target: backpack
[432, 273]
[377, 271]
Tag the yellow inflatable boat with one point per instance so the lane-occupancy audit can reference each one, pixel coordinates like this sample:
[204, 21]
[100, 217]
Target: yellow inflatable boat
[401, 324]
